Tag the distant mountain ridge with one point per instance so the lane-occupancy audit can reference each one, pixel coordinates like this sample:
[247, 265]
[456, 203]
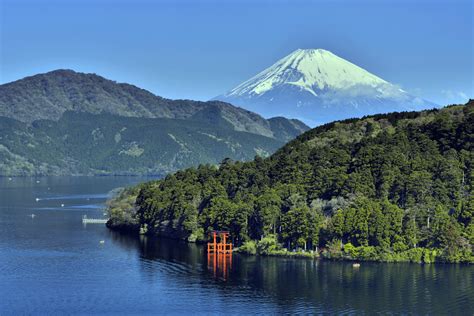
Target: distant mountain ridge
[64, 122]
[317, 86]
[49, 95]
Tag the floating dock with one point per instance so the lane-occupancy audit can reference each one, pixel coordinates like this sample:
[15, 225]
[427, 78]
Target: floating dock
[86, 220]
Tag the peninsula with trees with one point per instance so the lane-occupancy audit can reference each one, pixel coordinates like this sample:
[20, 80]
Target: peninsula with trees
[389, 187]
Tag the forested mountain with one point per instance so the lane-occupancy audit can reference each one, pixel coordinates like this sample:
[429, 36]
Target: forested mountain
[83, 143]
[390, 187]
[47, 96]
[64, 122]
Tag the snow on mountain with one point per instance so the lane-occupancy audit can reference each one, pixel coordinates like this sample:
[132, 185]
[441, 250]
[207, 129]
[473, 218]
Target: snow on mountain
[316, 86]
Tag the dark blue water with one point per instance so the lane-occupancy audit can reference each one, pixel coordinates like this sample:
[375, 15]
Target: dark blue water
[53, 264]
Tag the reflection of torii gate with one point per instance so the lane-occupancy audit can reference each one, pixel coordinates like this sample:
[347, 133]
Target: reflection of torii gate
[221, 247]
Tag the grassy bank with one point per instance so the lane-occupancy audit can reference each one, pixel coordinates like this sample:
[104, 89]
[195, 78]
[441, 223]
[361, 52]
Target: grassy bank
[269, 246]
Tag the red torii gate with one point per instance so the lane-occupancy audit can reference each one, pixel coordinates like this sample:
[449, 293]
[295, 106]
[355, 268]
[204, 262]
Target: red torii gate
[221, 247]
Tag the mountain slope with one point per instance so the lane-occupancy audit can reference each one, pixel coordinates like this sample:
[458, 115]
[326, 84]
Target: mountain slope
[317, 86]
[83, 143]
[392, 187]
[48, 96]
[287, 129]
[64, 122]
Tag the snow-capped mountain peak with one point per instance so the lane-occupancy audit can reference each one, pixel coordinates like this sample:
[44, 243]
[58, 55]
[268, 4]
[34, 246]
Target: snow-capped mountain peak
[311, 70]
[316, 82]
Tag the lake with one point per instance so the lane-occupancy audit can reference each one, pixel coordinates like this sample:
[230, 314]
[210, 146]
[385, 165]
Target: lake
[53, 264]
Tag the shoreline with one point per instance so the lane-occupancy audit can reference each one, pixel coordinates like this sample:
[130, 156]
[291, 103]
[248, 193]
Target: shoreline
[342, 256]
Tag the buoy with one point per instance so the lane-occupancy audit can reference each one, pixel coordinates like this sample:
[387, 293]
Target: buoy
[37, 181]
[9, 179]
[62, 205]
[356, 265]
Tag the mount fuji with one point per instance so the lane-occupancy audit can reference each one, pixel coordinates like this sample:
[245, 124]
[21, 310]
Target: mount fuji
[316, 86]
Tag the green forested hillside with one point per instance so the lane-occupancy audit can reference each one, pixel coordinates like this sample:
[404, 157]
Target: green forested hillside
[394, 187]
[48, 96]
[82, 143]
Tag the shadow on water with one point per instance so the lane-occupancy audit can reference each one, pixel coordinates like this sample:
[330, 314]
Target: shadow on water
[310, 285]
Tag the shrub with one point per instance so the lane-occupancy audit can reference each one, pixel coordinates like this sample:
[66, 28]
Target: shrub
[268, 245]
[334, 250]
[415, 254]
[399, 246]
[429, 255]
[367, 253]
[249, 247]
[351, 250]
[197, 235]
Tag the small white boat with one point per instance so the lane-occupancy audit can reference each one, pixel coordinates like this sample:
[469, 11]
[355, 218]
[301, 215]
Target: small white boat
[32, 215]
[356, 265]
[37, 199]
[62, 205]
[102, 242]
[37, 181]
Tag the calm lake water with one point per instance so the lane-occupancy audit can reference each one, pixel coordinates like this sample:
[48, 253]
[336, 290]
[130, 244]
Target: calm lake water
[53, 264]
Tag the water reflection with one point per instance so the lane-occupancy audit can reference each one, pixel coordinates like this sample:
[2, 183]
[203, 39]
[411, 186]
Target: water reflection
[302, 285]
[219, 264]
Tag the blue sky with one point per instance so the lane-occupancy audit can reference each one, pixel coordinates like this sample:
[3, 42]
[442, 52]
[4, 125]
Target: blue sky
[199, 49]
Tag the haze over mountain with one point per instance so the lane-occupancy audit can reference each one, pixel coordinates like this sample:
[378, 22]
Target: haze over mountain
[64, 122]
[316, 86]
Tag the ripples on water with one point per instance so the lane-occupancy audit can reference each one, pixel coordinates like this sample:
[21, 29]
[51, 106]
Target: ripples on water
[54, 264]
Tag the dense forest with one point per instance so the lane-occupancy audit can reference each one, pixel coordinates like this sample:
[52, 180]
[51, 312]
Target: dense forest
[390, 187]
